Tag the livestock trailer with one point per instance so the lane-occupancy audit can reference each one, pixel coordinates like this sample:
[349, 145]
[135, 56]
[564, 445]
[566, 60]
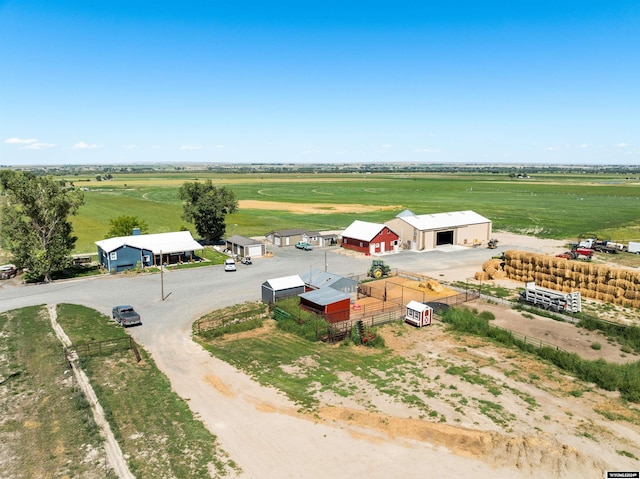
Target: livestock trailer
[551, 299]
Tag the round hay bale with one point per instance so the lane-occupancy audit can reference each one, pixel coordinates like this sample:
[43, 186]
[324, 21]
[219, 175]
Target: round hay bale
[434, 286]
[481, 276]
[498, 275]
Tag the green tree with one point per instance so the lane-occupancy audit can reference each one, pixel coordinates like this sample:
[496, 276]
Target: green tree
[35, 224]
[124, 225]
[206, 206]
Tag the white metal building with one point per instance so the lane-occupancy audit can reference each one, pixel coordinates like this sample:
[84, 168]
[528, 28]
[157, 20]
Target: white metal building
[426, 232]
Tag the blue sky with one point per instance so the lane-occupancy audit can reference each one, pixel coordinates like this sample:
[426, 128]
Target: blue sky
[95, 82]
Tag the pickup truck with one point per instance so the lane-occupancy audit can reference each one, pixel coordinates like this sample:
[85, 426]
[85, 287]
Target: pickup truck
[8, 271]
[126, 315]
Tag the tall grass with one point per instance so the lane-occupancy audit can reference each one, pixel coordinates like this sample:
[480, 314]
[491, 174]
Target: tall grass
[624, 378]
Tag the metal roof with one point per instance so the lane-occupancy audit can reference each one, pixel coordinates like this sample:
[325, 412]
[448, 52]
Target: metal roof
[175, 242]
[444, 220]
[242, 240]
[286, 282]
[293, 232]
[363, 230]
[322, 279]
[324, 296]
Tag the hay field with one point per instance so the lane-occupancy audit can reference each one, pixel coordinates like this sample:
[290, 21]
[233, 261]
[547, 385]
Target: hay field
[553, 206]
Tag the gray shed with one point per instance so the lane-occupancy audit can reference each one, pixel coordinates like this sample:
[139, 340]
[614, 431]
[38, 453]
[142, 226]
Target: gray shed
[274, 290]
[243, 246]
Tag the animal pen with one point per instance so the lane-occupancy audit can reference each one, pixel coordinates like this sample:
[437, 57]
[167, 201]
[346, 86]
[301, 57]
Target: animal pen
[384, 301]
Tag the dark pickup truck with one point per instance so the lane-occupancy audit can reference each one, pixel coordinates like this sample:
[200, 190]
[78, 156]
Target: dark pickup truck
[126, 315]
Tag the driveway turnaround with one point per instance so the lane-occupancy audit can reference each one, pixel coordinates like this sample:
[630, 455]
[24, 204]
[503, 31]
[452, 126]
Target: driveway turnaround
[259, 427]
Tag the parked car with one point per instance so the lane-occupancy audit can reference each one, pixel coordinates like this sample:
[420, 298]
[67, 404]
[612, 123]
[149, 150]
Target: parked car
[8, 271]
[126, 315]
[304, 245]
[229, 265]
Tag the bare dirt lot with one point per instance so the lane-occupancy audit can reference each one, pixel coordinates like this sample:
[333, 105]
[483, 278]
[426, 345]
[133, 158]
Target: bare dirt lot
[315, 208]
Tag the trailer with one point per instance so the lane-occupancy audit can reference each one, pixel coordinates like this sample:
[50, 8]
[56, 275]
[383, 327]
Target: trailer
[633, 247]
[551, 299]
[605, 247]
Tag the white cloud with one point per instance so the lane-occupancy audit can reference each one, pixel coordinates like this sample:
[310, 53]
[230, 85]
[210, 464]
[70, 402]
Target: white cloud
[621, 145]
[38, 146]
[85, 146]
[20, 141]
[191, 147]
[427, 150]
[385, 146]
[584, 145]
[552, 148]
[219, 146]
[129, 147]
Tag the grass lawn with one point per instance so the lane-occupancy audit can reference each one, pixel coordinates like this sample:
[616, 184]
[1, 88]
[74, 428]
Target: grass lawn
[47, 428]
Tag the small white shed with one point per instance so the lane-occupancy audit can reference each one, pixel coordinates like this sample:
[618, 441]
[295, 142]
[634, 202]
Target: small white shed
[418, 314]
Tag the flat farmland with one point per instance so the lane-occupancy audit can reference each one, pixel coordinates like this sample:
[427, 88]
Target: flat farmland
[559, 206]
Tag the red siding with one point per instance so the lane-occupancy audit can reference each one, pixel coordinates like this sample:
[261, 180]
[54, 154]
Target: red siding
[386, 237]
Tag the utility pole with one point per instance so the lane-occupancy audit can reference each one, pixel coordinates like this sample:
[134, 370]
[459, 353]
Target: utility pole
[161, 277]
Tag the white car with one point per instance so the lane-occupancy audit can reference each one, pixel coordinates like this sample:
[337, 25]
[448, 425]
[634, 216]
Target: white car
[229, 265]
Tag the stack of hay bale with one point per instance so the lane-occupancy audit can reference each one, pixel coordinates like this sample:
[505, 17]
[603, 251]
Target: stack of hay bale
[601, 282]
[492, 269]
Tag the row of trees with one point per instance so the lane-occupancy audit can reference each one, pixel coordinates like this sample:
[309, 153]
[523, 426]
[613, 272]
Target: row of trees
[35, 224]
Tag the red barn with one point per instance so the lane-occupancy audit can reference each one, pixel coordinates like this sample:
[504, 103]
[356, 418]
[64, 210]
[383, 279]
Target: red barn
[370, 238]
[333, 305]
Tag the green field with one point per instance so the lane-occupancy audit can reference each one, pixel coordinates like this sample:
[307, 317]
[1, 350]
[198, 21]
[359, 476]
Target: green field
[560, 206]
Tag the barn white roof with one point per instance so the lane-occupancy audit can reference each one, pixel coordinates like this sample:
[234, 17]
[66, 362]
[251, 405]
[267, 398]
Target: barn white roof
[444, 220]
[175, 242]
[286, 282]
[363, 230]
[417, 306]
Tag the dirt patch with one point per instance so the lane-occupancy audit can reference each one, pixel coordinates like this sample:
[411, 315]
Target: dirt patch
[313, 208]
[563, 335]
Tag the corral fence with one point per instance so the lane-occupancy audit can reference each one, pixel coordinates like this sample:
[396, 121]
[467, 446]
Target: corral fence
[220, 319]
[339, 331]
[102, 348]
[399, 293]
[216, 323]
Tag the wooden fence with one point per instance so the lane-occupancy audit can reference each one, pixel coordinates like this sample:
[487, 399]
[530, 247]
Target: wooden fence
[103, 348]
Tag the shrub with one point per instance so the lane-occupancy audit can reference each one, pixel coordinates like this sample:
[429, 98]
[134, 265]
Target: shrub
[596, 345]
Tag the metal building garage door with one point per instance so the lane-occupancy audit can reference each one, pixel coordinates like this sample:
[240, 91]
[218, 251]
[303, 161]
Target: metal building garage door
[444, 237]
